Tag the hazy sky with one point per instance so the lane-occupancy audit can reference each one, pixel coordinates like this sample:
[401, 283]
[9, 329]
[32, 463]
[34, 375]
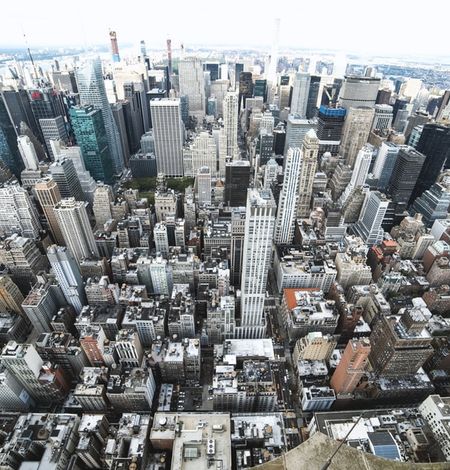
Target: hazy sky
[398, 26]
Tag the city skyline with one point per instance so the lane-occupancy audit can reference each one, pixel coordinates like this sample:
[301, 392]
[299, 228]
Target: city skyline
[349, 29]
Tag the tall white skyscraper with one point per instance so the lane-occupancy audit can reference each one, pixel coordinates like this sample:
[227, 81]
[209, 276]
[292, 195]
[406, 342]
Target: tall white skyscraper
[230, 122]
[74, 223]
[92, 91]
[287, 204]
[300, 92]
[68, 274]
[360, 171]
[192, 85]
[203, 178]
[355, 133]
[27, 152]
[373, 211]
[296, 130]
[161, 239]
[17, 213]
[310, 150]
[259, 229]
[272, 72]
[202, 152]
[168, 131]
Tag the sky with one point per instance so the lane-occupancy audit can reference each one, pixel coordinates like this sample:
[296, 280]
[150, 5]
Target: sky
[397, 26]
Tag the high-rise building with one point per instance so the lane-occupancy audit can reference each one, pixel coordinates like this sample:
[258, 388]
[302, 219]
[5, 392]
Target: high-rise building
[296, 130]
[168, 130]
[24, 261]
[65, 176]
[383, 117]
[76, 229]
[351, 367]
[237, 180]
[310, 150]
[359, 91]
[300, 92]
[369, 224]
[360, 171]
[400, 346]
[10, 296]
[68, 275]
[203, 182]
[407, 168]
[330, 122]
[230, 122]
[92, 91]
[313, 97]
[90, 132]
[245, 88]
[17, 213]
[259, 229]
[114, 46]
[73, 153]
[433, 204]
[41, 304]
[53, 129]
[161, 239]
[202, 152]
[434, 143]
[48, 195]
[9, 153]
[27, 152]
[384, 164]
[103, 197]
[355, 132]
[287, 204]
[192, 85]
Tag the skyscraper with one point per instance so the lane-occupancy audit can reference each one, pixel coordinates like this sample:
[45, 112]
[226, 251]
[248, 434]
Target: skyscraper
[230, 122]
[287, 204]
[360, 171]
[330, 122]
[90, 132]
[245, 87]
[404, 175]
[296, 130]
[434, 143]
[53, 129]
[114, 46]
[434, 203]
[203, 180]
[74, 223]
[300, 92]
[369, 224]
[383, 117]
[17, 213]
[359, 91]
[313, 96]
[259, 228]
[310, 150]
[27, 152]
[92, 91]
[68, 274]
[9, 153]
[192, 85]
[384, 164]
[355, 132]
[237, 179]
[65, 175]
[48, 195]
[168, 130]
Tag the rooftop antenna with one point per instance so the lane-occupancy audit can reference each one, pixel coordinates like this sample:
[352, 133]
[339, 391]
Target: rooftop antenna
[29, 54]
